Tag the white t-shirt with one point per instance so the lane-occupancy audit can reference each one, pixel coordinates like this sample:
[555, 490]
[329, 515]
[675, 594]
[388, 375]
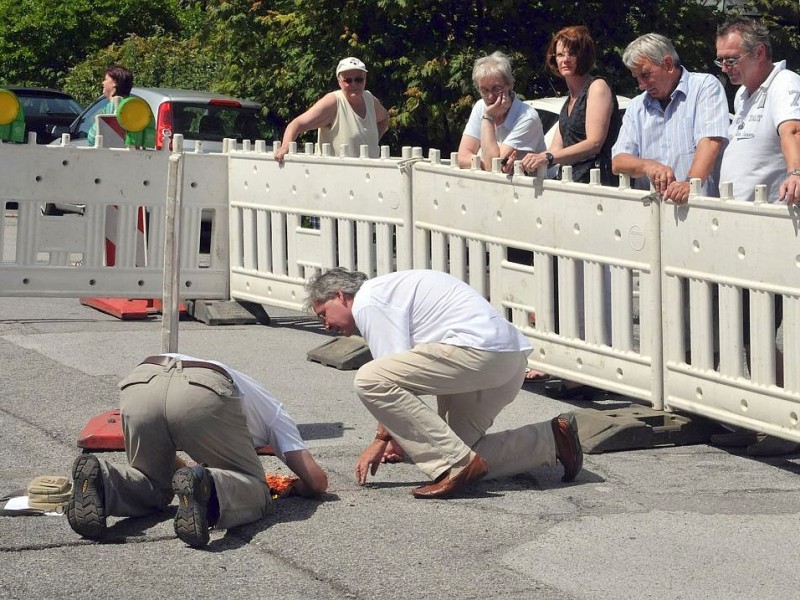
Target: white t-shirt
[521, 129]
[754, 154]
[398, 311]
[267, 420]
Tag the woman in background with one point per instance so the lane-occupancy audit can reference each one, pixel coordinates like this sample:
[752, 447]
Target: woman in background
[589, 121]
[500, 123]
[117, 84]
[587, 129]
[349, 116]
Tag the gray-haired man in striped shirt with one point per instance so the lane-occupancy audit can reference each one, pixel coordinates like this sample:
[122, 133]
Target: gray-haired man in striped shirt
[676, 129]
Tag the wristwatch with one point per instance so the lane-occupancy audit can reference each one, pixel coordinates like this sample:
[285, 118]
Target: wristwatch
[793, 172]
[550, 158]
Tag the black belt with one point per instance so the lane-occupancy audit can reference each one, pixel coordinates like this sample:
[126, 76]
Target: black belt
[162, 361]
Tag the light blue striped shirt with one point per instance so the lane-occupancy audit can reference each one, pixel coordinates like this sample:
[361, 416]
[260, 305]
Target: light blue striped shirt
[697, 109]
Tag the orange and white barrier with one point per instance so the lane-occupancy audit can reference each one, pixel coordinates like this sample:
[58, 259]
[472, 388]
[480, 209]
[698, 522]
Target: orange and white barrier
[112, 224]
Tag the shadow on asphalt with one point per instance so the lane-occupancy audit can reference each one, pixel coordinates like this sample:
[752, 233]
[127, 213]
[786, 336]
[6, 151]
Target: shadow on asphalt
[291, 509]
[136, 529]
[122, 531]
[787, 462]
[491, 488]
[321, 431]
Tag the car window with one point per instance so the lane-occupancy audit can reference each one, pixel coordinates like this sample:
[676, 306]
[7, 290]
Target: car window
[41, 106]
[548, 118]
[213, 123]
[80, 128]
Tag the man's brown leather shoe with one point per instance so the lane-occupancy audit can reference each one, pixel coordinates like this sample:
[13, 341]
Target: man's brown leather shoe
[447, 486]
[568, 446]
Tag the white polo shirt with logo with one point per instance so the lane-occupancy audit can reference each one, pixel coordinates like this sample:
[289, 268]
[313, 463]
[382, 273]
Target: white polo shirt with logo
[754, 154]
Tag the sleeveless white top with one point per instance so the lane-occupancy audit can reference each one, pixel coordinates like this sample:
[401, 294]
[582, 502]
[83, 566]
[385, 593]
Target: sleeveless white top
[348, 128]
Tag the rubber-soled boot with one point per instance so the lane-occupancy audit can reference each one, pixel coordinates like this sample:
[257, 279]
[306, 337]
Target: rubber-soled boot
[85, 509]
[192, 486]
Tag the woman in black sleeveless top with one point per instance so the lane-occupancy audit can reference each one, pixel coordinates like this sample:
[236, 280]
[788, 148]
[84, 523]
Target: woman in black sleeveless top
[589, 121]
[587, 129]
[572, 127]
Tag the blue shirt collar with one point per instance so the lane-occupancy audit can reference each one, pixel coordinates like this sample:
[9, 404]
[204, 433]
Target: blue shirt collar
[680, 90]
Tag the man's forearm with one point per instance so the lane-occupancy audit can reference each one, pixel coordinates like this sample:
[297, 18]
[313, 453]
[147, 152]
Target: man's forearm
[628, 164]
[705, 157]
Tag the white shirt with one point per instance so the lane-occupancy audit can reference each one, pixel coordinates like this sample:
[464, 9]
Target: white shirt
[754, 154]
[398, 311]
[267, 420]
[521, 129]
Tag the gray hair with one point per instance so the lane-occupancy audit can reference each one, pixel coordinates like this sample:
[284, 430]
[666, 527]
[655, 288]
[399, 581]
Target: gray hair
[496, 63]
[753, 33]
[323, 286]
[652, 46]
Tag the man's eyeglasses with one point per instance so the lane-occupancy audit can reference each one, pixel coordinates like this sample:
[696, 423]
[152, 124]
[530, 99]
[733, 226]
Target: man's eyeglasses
[729, 62]
[323, 309]
[349, 80]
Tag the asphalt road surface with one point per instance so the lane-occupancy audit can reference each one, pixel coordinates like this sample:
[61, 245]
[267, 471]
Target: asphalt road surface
[675, 522]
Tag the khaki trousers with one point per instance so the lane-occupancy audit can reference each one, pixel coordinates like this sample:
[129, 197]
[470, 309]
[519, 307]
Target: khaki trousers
[196, 410]
[471, 387]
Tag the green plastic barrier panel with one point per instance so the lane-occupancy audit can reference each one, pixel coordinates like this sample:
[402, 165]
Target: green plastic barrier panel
[12, 117]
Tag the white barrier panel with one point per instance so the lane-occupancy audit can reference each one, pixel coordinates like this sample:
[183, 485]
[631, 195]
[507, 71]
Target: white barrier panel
[205, 227]
[313, 213]
[718, 256]
[65, 255]
[559, 260]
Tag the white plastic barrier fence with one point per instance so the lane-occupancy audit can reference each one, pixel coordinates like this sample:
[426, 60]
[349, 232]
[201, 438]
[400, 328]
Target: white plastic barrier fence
[66, 255]
[314, 212]
[559, 260]
[718, 257]
[592, 275]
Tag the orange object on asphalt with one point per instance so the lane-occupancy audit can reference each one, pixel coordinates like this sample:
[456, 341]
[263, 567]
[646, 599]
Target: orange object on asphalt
[278, 484]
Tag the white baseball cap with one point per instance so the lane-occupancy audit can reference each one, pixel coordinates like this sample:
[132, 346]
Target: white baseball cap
[350, 63]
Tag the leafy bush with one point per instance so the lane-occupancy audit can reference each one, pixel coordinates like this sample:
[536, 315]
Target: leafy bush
[157, 61]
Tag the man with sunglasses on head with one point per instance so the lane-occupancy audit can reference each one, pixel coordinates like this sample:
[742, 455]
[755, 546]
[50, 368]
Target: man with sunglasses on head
[764, 143]
[676, 129]
[350, 116]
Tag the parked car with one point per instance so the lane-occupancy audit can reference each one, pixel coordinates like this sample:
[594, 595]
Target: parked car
[203, 116]
[45, 109]
[550, 108]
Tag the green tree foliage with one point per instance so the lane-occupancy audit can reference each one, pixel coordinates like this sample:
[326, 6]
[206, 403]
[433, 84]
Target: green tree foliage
[156, 61]
[41, 39]
[782, 17]
[420, 53]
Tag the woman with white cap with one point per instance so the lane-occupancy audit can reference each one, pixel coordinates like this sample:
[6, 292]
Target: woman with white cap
[350, 116]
